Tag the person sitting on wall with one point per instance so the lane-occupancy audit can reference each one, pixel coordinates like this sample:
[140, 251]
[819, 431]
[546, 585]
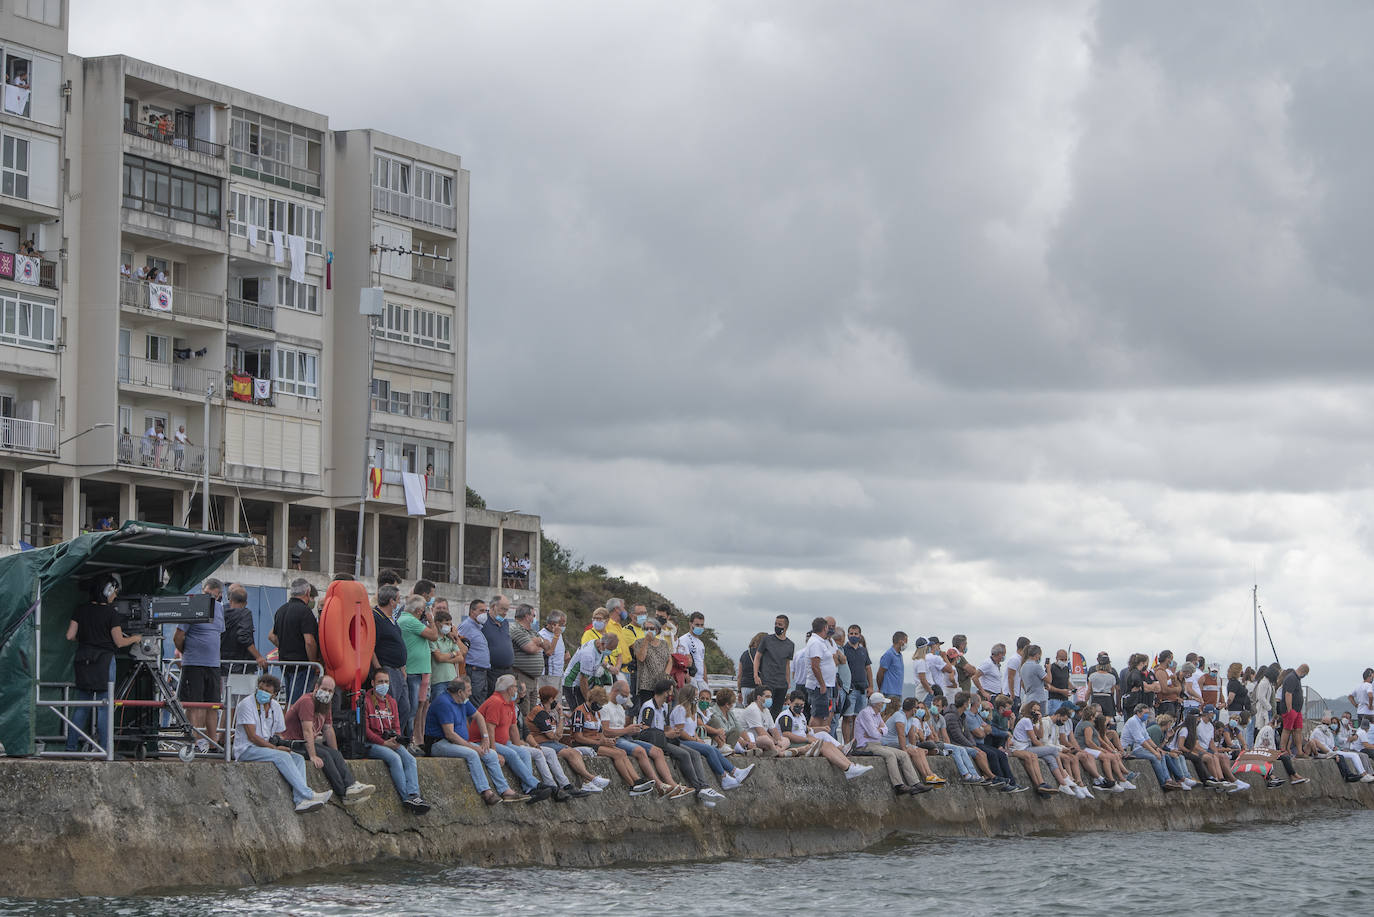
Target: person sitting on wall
[446, 736]
[381, 724]
[310, 729]
[545, 733]
[501, 718]
[257, 737]
[792, 723]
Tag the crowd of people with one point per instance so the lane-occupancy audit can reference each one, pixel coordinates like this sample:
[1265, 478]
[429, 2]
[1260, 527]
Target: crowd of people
[526, 707]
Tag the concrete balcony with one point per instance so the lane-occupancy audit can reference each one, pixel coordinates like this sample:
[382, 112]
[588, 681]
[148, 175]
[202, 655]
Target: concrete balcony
[185, 303]
[35, 437]
[252, 315]
[174, 377]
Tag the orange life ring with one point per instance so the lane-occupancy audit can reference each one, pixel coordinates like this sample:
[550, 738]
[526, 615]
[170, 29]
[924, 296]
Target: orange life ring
[347, 636]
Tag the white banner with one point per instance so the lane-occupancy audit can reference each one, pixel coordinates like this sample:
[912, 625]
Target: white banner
[26, 269]
[415, 493]
[16, 99]
[160, 297]
[262, 389]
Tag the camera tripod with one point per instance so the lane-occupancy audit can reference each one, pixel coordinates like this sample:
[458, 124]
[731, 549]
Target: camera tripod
[142, 696]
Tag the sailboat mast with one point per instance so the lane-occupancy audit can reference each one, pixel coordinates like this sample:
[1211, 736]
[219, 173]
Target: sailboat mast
[1254, 614]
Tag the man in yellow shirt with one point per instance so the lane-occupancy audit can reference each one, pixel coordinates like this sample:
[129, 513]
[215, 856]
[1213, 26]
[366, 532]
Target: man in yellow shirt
[628, 628]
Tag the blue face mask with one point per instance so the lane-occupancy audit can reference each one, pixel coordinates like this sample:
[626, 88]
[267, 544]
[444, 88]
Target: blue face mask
[382, 689]
[698, 631]
[262, 696]
[640, 619]
[500, 619]
[920, 714]
[854, 639]
[598, 625]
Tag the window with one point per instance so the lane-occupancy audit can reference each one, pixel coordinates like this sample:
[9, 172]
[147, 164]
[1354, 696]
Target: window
[28, 321]
[420, 405]
[410, 454]
[443, 407]
[400, 403]
[275, 151]
[297, 372]
[48, 12]
[381, 396]
[155, 349]
[248, 210]
[302, 296]
[168, 191]
[397, 324]
[255, 362]
[413, 325]
[391, 174]
[14, 174]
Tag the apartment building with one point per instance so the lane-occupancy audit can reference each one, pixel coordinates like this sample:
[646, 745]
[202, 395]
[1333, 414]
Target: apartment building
[208, 334]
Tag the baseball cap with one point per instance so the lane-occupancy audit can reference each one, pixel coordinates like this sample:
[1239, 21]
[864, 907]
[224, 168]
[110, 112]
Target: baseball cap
[934, 640]
[1068, 706]
[876, 698]
[1210, 708]
[1103, 657]
[921, 641]
[952, 653]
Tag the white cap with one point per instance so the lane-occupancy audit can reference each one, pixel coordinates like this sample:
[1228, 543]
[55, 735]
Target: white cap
[876, 698]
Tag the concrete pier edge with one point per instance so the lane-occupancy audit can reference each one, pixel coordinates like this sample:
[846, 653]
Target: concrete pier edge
[80, 828]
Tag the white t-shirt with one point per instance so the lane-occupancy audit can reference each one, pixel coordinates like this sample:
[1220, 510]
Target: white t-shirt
[653, 716]
[1323, 737]
[554, 661]
[1364, 698]
[798, 669]
[266, 721]
[1021, 734]
[613, 715]
[1205, 732]
[756, 717]
[181, 438]
[990, 677]
[935, 673]
[681, 716]
[1195, 683]
[1013, 673]
[1179, 738]
[819, 648]
[691, 645]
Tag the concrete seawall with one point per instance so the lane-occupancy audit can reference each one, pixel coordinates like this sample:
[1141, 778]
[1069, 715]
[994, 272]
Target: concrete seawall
[77, 828]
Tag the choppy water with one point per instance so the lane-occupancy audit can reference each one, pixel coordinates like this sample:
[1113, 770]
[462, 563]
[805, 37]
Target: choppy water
[1312, 867]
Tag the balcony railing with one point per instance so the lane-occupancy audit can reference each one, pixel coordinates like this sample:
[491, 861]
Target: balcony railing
[173, 139]
[274, 171]
[185, 303]
[34, 436]
[384, 200]
[175, 377]
[165, 455]
[47, 274]
[441, 279]
[252, 314]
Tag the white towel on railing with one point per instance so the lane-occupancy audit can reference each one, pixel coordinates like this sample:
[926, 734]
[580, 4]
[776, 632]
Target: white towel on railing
[414, 486]
[276, 245]
[16, 99]
[296, 244]
[252, 236]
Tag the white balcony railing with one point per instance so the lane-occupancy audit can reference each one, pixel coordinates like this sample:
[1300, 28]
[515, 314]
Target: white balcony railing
[188, 303]
[384, 200]
[175, 377]
[252, 314]
[165, 455]
[34, 436]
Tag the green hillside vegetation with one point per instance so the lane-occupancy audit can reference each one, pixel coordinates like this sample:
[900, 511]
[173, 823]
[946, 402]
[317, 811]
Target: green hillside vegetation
[566, 584]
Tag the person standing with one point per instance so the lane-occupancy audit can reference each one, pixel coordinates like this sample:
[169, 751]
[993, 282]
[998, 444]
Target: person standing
[390, 654]
[691, 645]
[499, 647]
[1290, 694]
[1060, 687]
[529, 653]
[479, 657]
[819, 660]
[744, 676]
[417, 630]
[991, 681]
[1034, 680]
[773, 663]
[860, 679]
[1363, 698]
[891, 674]
[964, 671]
[555, 650]
[96, 631]
[296, 634]
[238, 641]
[179, 444]
[653, 659]
[200, 678]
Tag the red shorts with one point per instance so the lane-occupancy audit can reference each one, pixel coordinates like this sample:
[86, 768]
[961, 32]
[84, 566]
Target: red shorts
[1292, 720]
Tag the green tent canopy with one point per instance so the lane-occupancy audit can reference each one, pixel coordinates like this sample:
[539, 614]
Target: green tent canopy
[39, 589]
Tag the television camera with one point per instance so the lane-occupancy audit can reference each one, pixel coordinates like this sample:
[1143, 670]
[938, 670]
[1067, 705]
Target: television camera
[146, 614]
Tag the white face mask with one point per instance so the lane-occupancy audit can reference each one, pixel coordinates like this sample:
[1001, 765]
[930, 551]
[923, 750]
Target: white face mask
[482, 618]
[445, 629]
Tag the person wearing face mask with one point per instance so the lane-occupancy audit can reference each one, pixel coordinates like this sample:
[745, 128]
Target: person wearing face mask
[1136, 741]
[892, 673]
[617, 725]
[653, 660]
[478, 659]
[1169, 696]
[585, 731]
[763, 729]
[687, 724]
[1026, 747]
[667, 628]
[309, 727]
[744, 676]
[622, 624]
[899, 736]
[296, 635]
[499, 711]
[390, 654]
[417, 630]
[597, 627]
[529, 652]
[497, 631]
[820, 670]
[854, 700]
[792, 724]
[556, 653]
[692, 646]
[588, 668]
[773, 663]
[258, 725]
[446, 654]
[383, 743]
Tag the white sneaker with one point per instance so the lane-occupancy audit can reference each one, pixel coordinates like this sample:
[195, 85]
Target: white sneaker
[1187, 785]
[729, 782]
[359, 791]
[740, 749]
[310, 805]
[1367, 778]
[592, 786]
[1067, 789]
[742, 773]
[601, 783]
[1189, 782]
[1116, 788]
[1084, 793]
[1126, 785]
[711, 793]
[856, 770]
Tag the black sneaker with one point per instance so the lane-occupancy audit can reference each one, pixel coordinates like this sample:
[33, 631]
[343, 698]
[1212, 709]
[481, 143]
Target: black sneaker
[1273, 783]
[1014, 788]
[1045, 789]
[577, 794]
[417, 805]
[916, 789]
[540, 793]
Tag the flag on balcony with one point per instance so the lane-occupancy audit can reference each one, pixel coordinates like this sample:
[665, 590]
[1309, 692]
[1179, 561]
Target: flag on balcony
[415, 493]
[7, 265]
[241, 388]
[262, 389]
[160, 297]
[16, 99]
[26, 269]
[375, 476]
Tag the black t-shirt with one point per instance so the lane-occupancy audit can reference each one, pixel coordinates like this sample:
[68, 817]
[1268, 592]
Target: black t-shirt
[1059, 675]
[857, 657]
[391, 646]
[543, 723]
[93, 625]
[1240, 700]
[292, 622]
[1292, 684]
[774, 656]
[238, 633]
[746, 669]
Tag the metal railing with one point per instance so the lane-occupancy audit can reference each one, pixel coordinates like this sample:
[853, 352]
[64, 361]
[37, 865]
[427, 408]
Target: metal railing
[430, 213]
[35, 436]
[41, 534]
[185, 303]
[476, 574]
[252, 314]
[436, 571]
[432, 278]
[173, 376]
[167, 456]
[173, 139]
[274, 170]
[47, 274]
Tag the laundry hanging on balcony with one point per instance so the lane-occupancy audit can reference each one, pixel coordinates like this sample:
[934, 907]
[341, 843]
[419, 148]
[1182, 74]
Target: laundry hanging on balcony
[241, 388]
[252, 236]
[26, 269]
[160, 297]
[415, 493]
[16, 99]
[276, 245]
[181, 353]
[262, 389]
[296, 246]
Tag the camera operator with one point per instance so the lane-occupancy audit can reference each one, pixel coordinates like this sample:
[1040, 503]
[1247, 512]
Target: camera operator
[309, 726]
[384, 742]
[258, 724]
[98, 636]
[199, 644]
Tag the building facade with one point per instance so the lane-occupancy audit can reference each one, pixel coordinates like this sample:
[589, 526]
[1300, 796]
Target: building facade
[183, 267]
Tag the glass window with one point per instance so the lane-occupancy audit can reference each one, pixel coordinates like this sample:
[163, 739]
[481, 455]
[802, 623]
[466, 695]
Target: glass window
[14, 167]
[176, 193]
[443, 406]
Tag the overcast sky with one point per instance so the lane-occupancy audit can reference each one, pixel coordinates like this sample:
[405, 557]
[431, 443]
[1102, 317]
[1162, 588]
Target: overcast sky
[1043, 318]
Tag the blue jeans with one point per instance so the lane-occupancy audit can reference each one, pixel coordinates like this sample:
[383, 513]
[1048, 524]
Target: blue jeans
[401, 763]
[81, 716]
[1161, 774]
[296, 681]
[714, 759]
[962, 760]
[1178, 767]
[518, 760]
[413, 696]
[405, 713]
[289, 764]
[475, 762]
[1053, 704]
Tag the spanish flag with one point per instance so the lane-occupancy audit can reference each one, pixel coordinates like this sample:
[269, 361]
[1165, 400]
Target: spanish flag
[375, 476]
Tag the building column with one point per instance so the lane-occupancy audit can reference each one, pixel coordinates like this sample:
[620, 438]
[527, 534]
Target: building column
[128, 502]
[415, 546]
[371, 545]
[71, 508]
[494, 566]
[326, 545]
[14, 505]
[233, 512]
[281, 530]
[181, 502]
[536, 555]
[455, 553]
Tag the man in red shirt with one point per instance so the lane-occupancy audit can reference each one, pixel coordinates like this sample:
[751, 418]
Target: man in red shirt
[311, 719]
[500, 714]
[383, 742]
